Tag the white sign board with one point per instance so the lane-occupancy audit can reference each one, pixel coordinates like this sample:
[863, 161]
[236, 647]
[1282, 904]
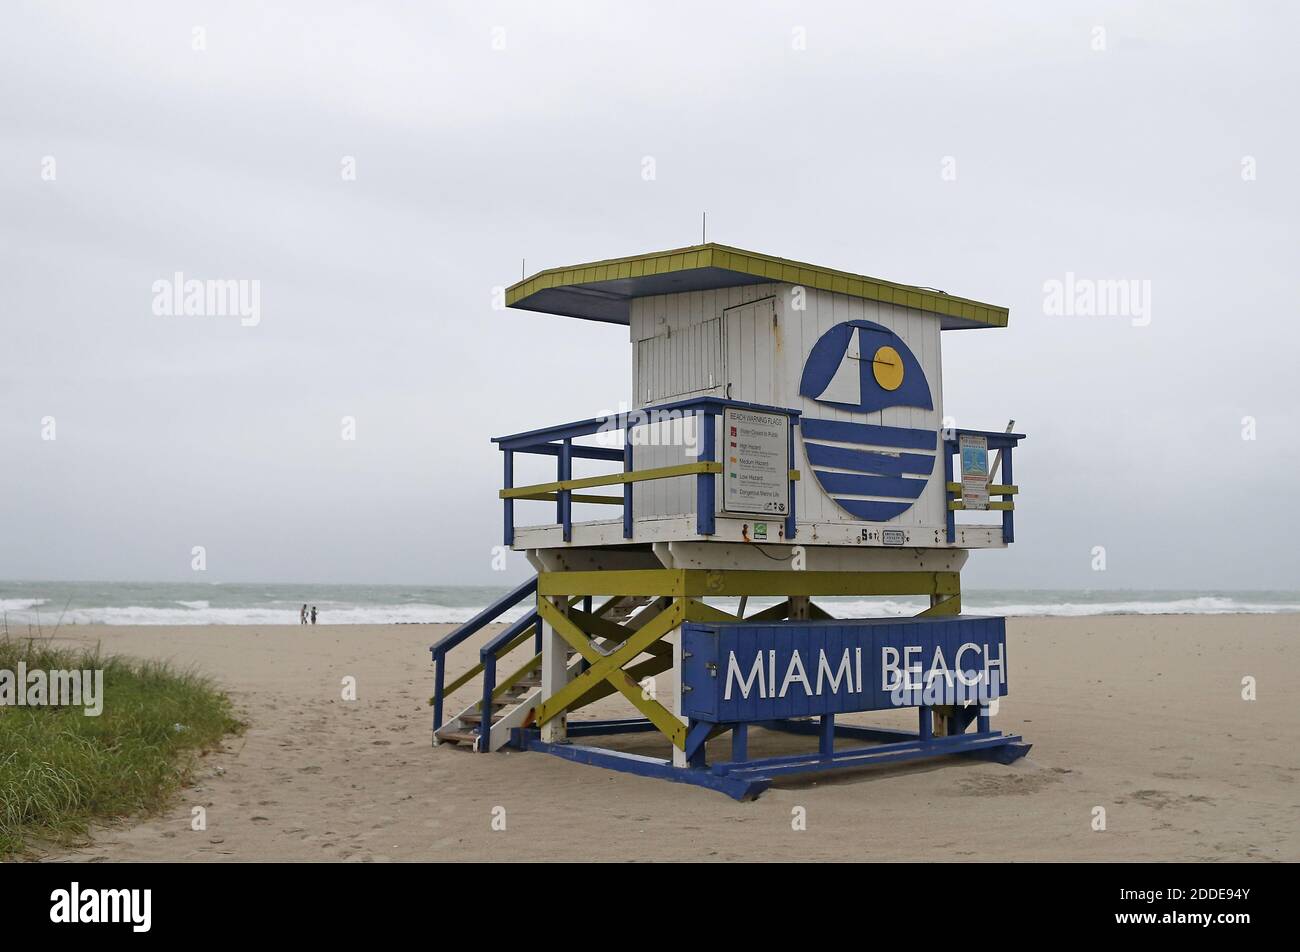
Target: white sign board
[755, 462]
[974, 471]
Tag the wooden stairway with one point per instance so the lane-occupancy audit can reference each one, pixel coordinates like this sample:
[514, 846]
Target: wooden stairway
[519, 693]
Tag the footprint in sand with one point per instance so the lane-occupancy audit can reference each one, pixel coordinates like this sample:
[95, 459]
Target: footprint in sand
[1159, 799]
[1006, 784]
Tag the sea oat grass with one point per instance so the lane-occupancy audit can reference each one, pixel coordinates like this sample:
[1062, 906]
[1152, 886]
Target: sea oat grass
[60, 769]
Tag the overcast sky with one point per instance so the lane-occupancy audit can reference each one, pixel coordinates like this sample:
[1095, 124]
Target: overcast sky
[1156, 145]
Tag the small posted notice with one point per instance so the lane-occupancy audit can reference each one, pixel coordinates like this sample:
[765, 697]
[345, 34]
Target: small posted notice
[755, 462]
[974, 471]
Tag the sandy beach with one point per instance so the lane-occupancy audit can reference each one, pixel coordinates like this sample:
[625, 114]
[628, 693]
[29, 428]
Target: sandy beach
[1142, 716]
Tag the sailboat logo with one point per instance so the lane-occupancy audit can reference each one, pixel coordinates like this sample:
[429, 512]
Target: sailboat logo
[873, 472]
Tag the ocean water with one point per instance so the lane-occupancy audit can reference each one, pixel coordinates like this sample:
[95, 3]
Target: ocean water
[44, 605]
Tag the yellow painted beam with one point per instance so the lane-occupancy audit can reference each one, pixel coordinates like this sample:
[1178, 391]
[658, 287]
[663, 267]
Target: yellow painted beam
[612, 582]
[609, 668]
[995, 489]
[818, 612]
[612, 631]
[612, 479]
[942, 608]
[508, 647]
[669, 725]
[577, 497]
[772, 613]
[661, 652]
[504, 686]
[701, 583]
[697, 610]
[638, 672]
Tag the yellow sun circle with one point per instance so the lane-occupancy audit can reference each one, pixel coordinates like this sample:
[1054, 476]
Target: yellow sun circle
[887, 367]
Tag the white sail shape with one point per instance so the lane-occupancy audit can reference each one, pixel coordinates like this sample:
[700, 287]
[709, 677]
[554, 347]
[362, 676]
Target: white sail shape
[846, 384]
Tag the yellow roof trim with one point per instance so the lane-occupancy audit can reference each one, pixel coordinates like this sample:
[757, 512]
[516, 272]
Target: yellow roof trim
[627, 278]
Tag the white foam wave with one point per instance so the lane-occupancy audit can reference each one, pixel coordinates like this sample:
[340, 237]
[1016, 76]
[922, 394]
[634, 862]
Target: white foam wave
[342, 615]
[1203, 605]
[21, 604]
[20, 611]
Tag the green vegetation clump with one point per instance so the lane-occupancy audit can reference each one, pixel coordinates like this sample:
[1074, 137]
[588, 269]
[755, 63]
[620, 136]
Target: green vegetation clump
[61, 769]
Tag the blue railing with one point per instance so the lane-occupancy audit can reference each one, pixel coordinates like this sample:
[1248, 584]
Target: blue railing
[558, 441]
[487, 657]
[486, 617]
[1003, 443]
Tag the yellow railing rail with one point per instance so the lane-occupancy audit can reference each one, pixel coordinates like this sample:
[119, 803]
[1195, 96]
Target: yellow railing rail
[542, 490]
[995, 489]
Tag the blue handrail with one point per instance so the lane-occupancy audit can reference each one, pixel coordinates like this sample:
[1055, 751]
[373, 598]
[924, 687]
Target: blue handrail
[1005, 442]
[558, 440]
[488, 656]
[457, 637]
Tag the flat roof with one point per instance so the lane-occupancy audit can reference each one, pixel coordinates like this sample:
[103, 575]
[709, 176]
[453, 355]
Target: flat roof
[603, 290]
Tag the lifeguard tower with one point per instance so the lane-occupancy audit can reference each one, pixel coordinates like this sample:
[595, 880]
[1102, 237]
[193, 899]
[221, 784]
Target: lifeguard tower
[785, 441]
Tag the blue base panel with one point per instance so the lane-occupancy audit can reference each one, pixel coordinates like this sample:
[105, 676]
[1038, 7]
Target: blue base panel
[746, 779]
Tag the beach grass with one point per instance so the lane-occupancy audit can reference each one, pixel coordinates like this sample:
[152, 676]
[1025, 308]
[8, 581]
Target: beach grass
[60, 769]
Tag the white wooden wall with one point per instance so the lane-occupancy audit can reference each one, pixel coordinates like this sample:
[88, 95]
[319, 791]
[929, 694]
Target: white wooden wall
[765, 343]
[920, 331]
[672, 318]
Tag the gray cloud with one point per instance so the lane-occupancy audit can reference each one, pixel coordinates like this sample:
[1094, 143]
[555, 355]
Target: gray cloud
[376, 294]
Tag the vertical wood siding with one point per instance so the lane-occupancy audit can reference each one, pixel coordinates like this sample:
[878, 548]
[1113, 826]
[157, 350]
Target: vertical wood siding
[755, 344]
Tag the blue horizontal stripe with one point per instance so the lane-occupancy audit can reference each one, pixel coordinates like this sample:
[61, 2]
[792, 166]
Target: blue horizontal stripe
[869, 434]
[865, 461]
[894, 486]
[873, 511]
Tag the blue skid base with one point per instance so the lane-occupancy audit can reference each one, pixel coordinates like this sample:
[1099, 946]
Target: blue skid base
[746, 779]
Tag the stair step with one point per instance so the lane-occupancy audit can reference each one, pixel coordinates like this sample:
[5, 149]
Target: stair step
[459, 737]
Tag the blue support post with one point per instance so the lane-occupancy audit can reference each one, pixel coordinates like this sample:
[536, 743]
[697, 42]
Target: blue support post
[826, 743]
[565, 500]
[489, 660]
[439, 679]
[1008, 517]
[704, 482]
[509, 480]
[791, 526]
[740, 742]
[925, 730]
[982, 724]
[696, 735]
[627, 487]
